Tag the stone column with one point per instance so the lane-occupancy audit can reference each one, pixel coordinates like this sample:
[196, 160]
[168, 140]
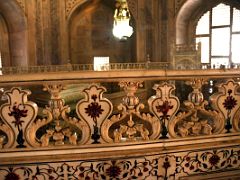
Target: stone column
[63, 34]
[30, 10]
[141, 32]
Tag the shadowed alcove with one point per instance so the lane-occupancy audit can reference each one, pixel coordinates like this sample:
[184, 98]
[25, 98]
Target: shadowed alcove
[90, 35]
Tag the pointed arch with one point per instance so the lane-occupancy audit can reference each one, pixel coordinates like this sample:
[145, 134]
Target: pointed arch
[4, 44]
[17, 32]
[188, 15]
[183, 18]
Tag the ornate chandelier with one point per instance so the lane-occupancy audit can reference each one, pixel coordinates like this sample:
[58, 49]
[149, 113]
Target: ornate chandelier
[121, 27]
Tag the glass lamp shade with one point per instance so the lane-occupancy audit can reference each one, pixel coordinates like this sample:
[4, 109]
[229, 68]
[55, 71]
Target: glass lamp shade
[121, 27]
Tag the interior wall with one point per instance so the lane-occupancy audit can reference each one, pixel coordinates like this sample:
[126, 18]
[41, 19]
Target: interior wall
[60, 32]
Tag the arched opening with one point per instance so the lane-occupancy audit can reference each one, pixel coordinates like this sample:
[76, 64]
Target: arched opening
[17, 34]
[4, 44]
[190, 13]
[211, 23]
[218, 30]
[185, 15]
[90, 35]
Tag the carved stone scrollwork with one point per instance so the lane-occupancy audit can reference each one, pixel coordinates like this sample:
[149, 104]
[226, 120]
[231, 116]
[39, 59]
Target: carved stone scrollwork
[59, 128]
[16, 115]
[226, 101]
[94, 109]
[69, 5]
[130, 124]
[196, 119]
[164, 105]
[2, 138]
[178, 4]
[21, 3]
[8, 137]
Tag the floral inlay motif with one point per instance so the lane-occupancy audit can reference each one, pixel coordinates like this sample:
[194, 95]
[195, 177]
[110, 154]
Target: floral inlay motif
[12, 173]
[18, 113]
[94, 110]
[12, 176]
[148, 167]
[230, 102]
[210, 160]
[113, 171]
[166, 164]
[164, 109]
[214, 159]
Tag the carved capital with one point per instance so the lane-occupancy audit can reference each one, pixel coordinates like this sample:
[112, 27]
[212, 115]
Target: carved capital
[178, 5]
[71, 4]
[54, 90]
[196, 96]
[130, 88]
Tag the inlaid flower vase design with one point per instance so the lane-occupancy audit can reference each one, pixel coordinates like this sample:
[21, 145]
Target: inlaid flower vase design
[227, 102]
[16, 114]
[94, 109]
[164, 105]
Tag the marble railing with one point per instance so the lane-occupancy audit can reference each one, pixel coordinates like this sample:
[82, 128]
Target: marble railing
[84, 67]
[161, 124]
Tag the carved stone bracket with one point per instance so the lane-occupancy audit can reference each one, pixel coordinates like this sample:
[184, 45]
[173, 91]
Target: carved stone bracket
[16, 115]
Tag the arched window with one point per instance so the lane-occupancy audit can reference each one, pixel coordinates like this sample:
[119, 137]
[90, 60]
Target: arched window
[218, 30]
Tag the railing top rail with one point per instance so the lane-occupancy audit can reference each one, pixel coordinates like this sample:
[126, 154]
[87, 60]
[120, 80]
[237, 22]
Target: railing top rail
[84, 67]
[117, 75]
